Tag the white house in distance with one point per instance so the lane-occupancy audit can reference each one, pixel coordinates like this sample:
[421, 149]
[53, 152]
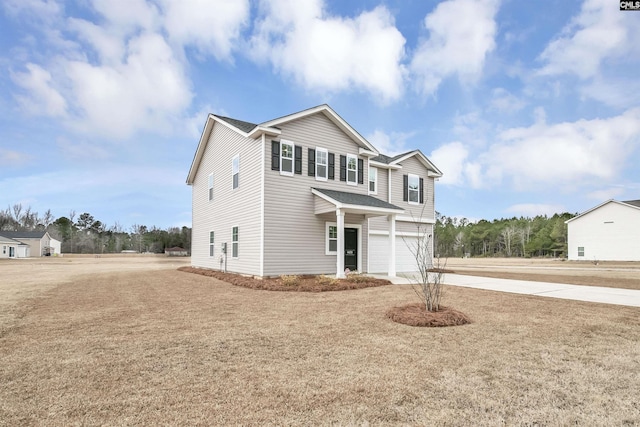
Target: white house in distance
[305, 194]
[10, 248]
[39, 243]
[607, 232]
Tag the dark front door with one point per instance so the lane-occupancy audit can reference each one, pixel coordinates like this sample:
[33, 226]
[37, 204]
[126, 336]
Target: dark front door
[351, 249]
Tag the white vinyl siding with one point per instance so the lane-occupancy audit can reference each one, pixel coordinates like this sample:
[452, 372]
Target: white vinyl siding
[352, 169]
[373, 180]
[222, 145]
[286, 157]
[322, 164]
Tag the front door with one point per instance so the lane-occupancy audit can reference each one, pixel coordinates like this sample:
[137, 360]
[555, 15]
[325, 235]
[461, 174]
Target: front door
[351, 249]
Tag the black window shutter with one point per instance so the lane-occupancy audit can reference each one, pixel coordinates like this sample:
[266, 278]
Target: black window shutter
[421, 190]
[343, 168]
[275, 155]
[312, 162]
[298, 159]
[332, 165]
[360, 171]
[405, 188]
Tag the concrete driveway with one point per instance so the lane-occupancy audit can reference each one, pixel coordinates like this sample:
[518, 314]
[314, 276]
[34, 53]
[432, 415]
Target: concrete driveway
[628, 297]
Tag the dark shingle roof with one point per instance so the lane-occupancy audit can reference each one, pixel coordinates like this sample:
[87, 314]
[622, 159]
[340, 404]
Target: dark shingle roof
[23, 234]
[382, 159]
[357, 199]
[633, 203]
[245, 127]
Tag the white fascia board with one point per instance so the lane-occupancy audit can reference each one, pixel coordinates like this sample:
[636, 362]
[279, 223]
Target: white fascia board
[262, 130]
[417, 220]
[384, 165]
[367, 153]
[208, 125]
[598, 207]
[360, 208]
[433, 170]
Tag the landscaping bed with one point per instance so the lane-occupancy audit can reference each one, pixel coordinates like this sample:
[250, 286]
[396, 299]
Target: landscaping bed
[305, 283]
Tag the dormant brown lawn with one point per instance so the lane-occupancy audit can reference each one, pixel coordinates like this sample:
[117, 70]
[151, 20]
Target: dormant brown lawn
[163, 347]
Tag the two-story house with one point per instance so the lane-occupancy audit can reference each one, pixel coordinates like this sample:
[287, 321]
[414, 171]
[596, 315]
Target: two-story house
[305, 194]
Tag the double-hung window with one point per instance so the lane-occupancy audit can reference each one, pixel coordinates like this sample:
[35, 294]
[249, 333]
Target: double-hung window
[373, 180]
[235, 170]
[321, 164]
[352, 169]
[332, 239]
[210, 183]
[234, 242]
[286, 158]
[580, 250]
[212, 243]
[414, 189]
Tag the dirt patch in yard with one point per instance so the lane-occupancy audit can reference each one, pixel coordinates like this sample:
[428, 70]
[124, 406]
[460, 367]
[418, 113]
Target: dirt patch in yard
[307, 283]
[416, 315]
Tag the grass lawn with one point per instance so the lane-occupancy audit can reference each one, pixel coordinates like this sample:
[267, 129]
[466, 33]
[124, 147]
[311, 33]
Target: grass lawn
[167, 347]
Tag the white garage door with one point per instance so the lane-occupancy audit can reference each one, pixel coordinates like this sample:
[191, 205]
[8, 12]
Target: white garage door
[379, 254]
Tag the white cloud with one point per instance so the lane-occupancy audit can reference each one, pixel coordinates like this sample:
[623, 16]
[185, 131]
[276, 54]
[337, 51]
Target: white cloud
[535, 209]
[13, 158]
[328, 53]
[599, 32]
[504, 101]
[390, 144]
[40, 96]
[461, 34]
[606, 193]
[617, 93]
[211, 25]
[451, 160]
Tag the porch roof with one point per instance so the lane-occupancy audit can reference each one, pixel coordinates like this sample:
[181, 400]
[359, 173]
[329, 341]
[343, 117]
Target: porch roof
[352, 202]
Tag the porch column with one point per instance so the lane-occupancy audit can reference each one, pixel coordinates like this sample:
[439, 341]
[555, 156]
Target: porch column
[340, 244]
[392, 245]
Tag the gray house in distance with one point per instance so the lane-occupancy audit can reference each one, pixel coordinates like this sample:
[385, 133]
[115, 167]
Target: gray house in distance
[305, 194]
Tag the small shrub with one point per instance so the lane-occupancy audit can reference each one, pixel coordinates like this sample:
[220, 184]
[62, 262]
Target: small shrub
[290, 280]
[358, 278]
[326, 280]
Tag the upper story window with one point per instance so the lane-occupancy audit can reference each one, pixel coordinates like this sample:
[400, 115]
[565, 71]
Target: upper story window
[235, 170]
[286, 158]
[210, 184]
[352, 169]
[413, 189]
[322, 164]
[373, 180]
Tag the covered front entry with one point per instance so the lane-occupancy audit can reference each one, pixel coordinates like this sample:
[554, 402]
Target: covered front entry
[342, 203]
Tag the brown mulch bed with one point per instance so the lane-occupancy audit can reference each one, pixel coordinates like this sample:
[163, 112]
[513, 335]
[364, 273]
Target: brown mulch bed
[416, 315]
[307, 283]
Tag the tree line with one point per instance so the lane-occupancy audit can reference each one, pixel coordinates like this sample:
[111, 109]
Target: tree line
[84, 234]
[541, 236]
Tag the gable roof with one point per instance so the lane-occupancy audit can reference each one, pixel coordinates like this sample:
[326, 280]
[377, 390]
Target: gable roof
[23, 234]
[634, 204]
[396, 160]
[245, 127]
[9, 241]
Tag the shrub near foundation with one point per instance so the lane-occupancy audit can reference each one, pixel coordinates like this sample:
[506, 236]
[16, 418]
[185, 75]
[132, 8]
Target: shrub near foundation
[290, 280]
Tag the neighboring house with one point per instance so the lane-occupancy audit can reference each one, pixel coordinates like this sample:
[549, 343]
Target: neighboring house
[607, 232]
[39, 243]
[10, 248]
[305, 194]
[175, 251]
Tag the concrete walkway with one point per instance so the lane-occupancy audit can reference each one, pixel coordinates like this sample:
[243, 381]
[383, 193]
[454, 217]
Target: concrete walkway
[628, 297]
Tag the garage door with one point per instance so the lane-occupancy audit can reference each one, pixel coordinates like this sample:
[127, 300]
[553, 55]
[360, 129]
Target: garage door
[379, 254]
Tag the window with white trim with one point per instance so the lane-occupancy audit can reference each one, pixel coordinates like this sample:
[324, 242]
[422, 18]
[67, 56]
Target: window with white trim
[210, 184]
[331, 245]
[286, 158]
[580, 250]
[321, 164]
[234, 242]
[352, 169]
[235, 170]
[212, 244]
[373, 180]
[414, 189]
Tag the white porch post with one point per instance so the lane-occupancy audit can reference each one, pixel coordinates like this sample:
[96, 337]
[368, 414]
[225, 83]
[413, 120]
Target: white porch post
[392, 245]
[340, 244]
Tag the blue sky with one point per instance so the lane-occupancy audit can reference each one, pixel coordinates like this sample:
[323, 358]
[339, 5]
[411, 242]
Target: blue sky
[527, 107]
